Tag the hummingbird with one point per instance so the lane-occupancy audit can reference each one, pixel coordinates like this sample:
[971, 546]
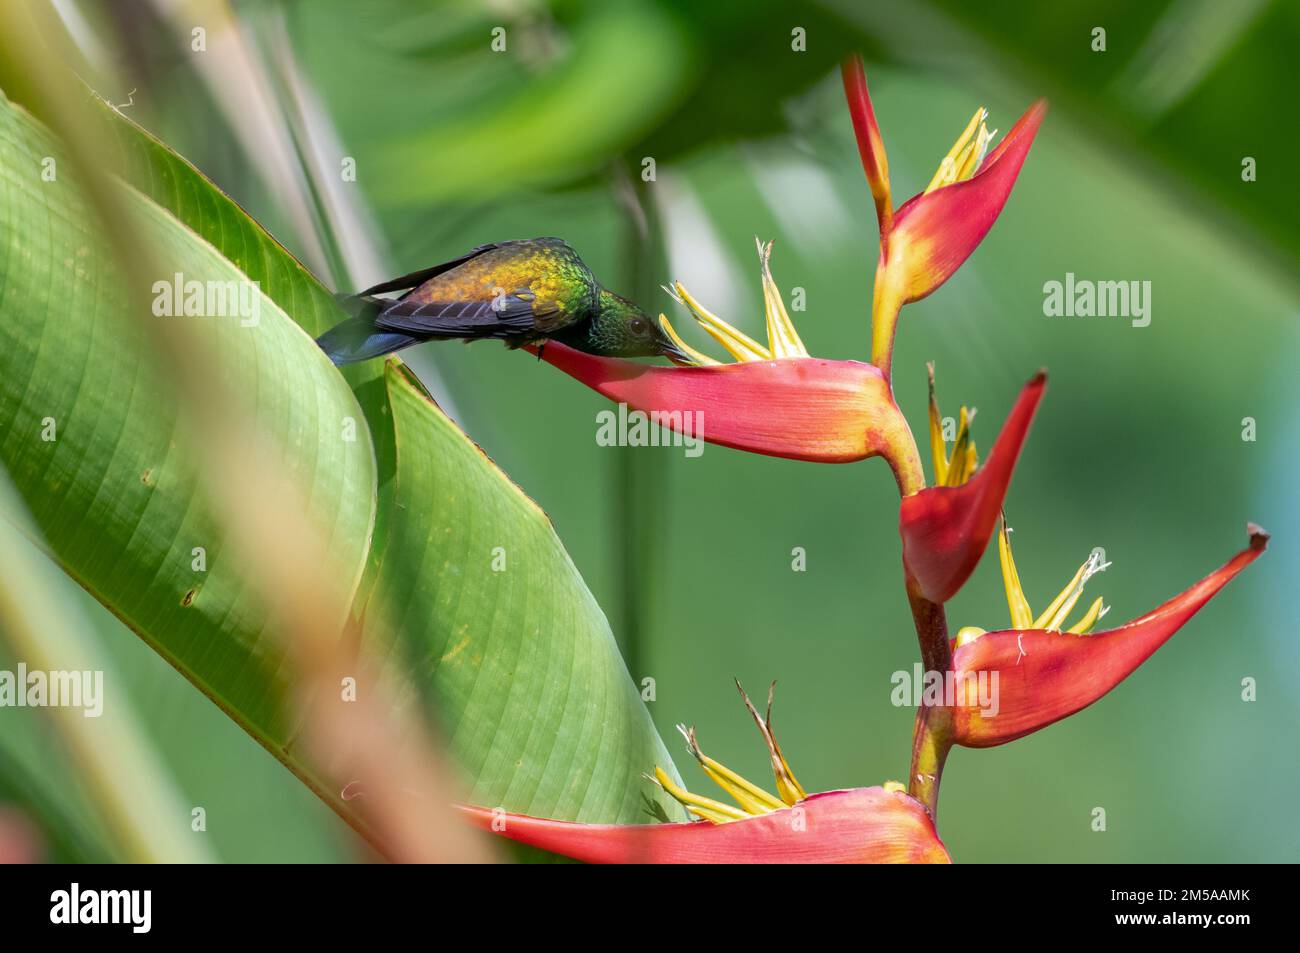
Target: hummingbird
[520, 292]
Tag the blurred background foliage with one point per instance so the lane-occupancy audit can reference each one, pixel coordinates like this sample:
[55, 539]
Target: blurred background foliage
[1138, 447]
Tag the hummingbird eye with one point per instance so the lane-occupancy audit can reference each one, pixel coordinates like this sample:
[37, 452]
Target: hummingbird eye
[637, 325]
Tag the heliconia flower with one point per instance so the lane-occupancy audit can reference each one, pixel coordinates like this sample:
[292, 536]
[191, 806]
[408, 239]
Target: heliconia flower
[946, 527]
[1044, 672]
[926, 239]
[880, 824]
[775, 400]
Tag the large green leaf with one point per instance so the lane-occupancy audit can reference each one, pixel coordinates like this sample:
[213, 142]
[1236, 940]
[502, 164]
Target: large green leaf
[518, 658]
[192, 198]
[540, 708]
[114, 492]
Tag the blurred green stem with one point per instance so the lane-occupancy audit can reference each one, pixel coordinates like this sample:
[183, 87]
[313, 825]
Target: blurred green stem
[638, 497]
[142, 811]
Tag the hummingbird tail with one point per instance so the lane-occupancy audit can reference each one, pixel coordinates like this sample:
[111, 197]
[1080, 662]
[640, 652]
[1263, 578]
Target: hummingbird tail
[358, 338]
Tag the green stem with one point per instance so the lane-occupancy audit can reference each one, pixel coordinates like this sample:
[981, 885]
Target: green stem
[931, 742]
[932, 735]
[639, 477]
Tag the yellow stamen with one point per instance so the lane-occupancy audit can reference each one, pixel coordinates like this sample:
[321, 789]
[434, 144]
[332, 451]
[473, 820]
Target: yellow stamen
[1022, 617]
[747, 794]
[938, 450]
[699, 357]
[781, 335]
[969, 633]
[787, 786]
[959, 155]
[1055, 614]
[738, 344]
[1090, 618]
[705, 807]
[897, 787]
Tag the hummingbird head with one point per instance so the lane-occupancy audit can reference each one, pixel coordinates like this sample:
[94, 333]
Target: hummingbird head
[621, 329]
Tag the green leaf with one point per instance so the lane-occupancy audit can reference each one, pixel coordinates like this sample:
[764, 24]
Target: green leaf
[176, 185]
[539, 706]
[92, 441]
[516, 657]
[628, 65]
[85, 772]
[498, 770]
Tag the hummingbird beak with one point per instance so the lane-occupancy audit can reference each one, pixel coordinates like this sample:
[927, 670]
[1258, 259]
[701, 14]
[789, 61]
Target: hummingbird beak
[675, 354]
[675, 349]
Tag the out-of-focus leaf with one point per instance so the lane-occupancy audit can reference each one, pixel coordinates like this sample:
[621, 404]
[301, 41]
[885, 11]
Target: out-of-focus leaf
[626, 65]
[44, 788]
[78, 764]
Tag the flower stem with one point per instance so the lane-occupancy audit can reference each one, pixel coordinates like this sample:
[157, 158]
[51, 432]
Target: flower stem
[931, 629]
[931, 742]
[886, 303]
[932, 733]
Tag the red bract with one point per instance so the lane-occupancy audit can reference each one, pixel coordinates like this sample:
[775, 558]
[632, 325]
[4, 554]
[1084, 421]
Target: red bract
[935, 232]
[870, 146]
[945, 529]
[929, 237]
[1044, 676]
[801, 408]
[857, 826]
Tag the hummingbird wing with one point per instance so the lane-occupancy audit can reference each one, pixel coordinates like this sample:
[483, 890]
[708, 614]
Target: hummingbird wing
[416, 278]
[515, 291]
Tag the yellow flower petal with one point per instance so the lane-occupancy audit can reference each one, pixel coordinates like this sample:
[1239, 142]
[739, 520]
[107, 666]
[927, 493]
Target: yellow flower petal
[976, 155]
[938, 449]
[950, 168]
[1022, 617]
[704, 807]
[699, 357]
[787, 786]
[1055, 614]
[961, 462]
[1090, 618]
[747, 794]
[783, 340]
[738, 344]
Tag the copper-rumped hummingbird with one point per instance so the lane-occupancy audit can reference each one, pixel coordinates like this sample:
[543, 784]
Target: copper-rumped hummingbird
[519, 292]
